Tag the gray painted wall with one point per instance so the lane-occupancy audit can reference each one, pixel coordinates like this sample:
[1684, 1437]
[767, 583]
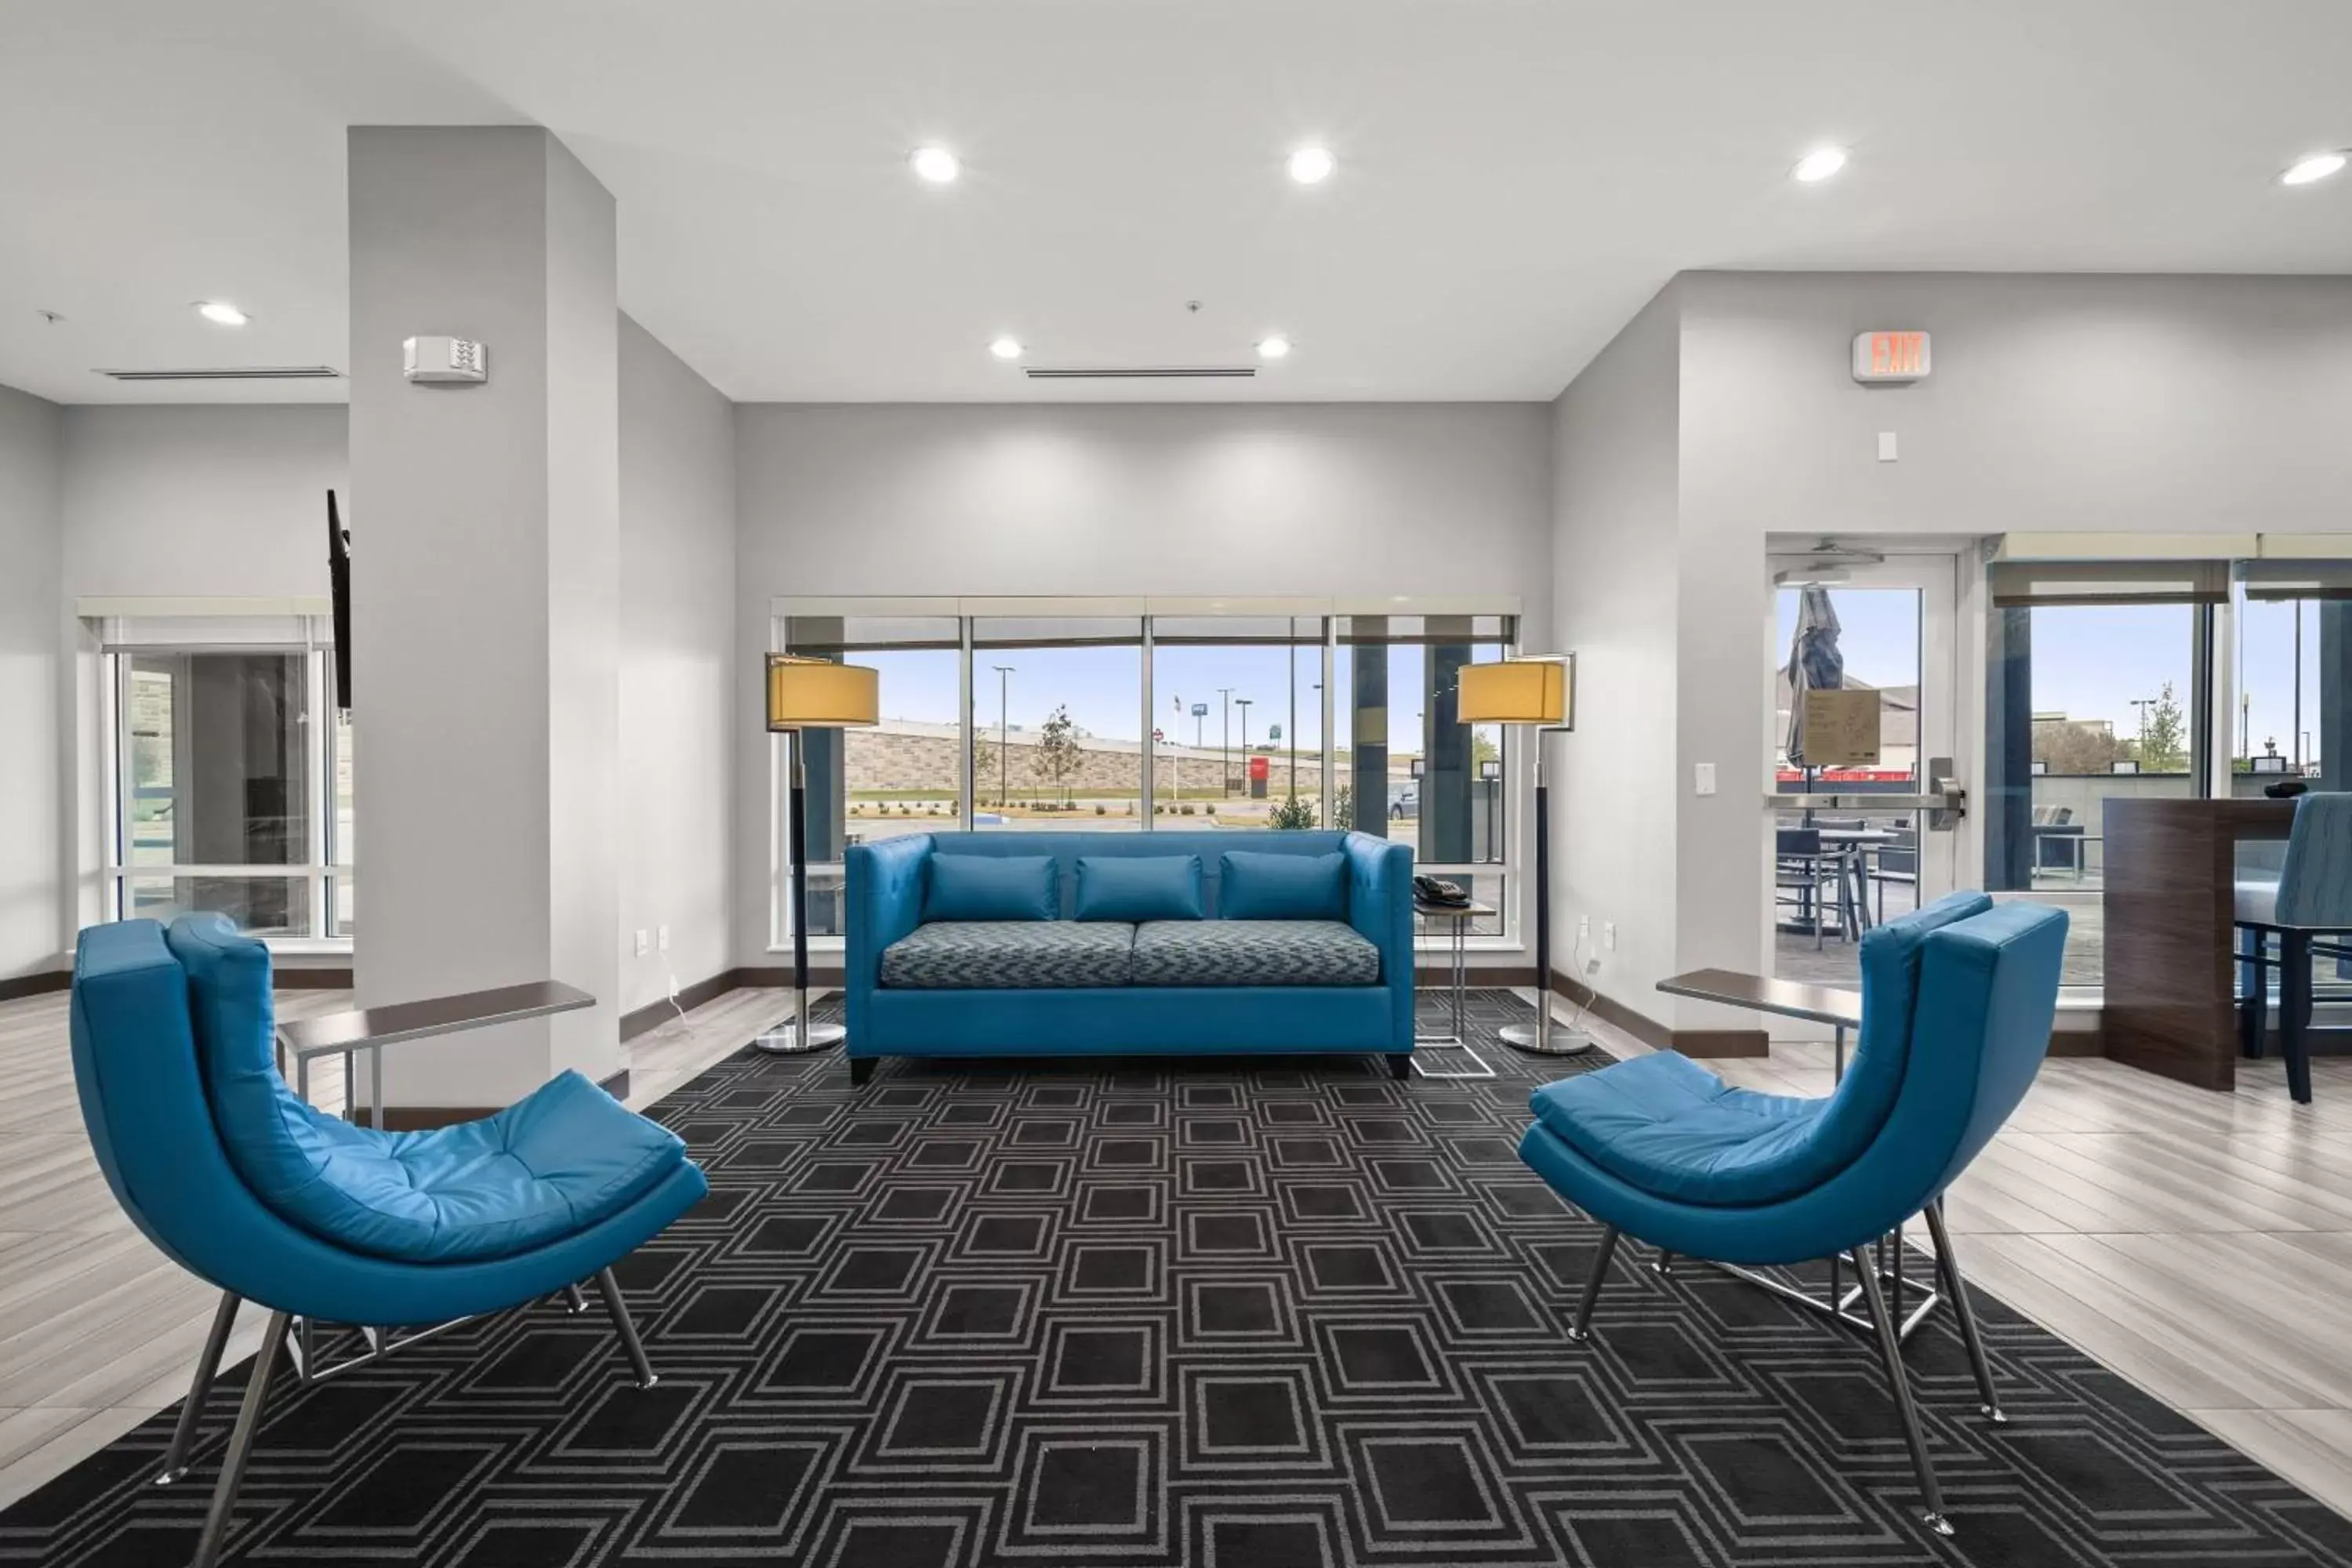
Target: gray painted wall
[31, 845]
[201, 501]
[226, 501]
[678, 639]
[1615, 566]
[2139, 404]
[1164, 499]
[2076, 403]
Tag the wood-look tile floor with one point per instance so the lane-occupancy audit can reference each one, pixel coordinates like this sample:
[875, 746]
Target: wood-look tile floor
[2198, 1244]
[98, 1330]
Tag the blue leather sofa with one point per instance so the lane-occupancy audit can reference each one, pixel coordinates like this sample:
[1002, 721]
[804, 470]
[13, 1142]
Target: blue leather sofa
[917, 984]
[311, 1217]
[1956, 1004]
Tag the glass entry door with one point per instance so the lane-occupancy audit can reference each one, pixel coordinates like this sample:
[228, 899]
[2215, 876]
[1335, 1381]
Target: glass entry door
[1850, 771]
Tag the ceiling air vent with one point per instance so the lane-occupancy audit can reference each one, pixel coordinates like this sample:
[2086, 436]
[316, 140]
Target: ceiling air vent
[230, 372]
[1140, 373]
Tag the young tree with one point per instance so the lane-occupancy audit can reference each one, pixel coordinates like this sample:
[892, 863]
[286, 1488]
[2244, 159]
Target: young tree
[2164, 735]
[985, 777]
[1059, 752]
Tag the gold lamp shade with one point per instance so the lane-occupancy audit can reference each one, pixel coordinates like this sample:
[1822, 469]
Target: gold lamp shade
[1518, 691]
[818, 694]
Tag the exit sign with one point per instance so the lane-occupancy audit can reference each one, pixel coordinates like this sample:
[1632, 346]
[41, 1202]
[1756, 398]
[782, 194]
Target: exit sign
[1890, 356]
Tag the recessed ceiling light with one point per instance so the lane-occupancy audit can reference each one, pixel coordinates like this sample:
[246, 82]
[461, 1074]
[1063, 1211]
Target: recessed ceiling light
[220, 313]
[1005, 348]
[936, 164]
[1819, 164]
[1312, 165]
[1275, 347]
[2311, 169]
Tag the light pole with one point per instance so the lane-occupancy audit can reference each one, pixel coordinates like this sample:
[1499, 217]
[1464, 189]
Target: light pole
[1243, 704]
[1003, 682]
[1225, 741]
[2143, 704]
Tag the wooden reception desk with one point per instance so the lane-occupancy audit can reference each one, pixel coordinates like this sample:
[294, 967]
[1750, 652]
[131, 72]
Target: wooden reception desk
[2171, 875]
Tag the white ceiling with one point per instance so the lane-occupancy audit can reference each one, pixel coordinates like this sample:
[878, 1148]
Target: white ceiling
[1516, 176]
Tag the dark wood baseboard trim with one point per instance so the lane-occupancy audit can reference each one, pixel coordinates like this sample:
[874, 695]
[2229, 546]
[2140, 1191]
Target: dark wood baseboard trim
[654, 1015]
[780, 975]
[2092, 1042]
[39, 984]
[1709, 1042]
[1439, 977]
[1720, 1043]
[283, 979]
[423, 1117]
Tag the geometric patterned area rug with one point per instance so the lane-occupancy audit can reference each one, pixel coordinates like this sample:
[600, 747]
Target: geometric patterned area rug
[1231, 1314]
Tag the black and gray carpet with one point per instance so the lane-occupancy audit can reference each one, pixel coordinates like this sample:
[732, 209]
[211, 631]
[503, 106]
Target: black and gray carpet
[1210, 1313]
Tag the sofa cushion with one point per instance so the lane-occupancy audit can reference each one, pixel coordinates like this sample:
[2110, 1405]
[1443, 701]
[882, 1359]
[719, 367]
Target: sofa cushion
[992, 888]
[543, 1169]
[1138, 887]
[1009, 955]
[1254, 887]
[1252, 952]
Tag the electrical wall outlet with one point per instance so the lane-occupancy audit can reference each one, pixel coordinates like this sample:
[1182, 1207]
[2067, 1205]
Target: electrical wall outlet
[661, 938]
[1583, 927]
[1609, 935]
[1702, 778]
[643, 946]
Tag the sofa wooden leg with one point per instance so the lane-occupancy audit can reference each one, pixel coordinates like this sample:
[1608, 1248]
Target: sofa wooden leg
[860, 1069]
[1400, 1067]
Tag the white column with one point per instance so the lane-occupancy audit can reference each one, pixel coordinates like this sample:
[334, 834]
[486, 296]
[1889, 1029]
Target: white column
[485, 584]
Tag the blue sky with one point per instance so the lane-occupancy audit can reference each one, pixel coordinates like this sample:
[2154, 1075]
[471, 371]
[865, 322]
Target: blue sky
[1099, 685]
[2091, 662]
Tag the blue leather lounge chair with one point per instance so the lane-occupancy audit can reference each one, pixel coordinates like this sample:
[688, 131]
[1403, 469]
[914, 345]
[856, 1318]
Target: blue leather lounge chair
[316, 1219]
[1956, 1003]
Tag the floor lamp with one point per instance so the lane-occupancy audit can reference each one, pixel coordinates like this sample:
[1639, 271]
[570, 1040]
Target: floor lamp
[811, 694]
[1537, 690]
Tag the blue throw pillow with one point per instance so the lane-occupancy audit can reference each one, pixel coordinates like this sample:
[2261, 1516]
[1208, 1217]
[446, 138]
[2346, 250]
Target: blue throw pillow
[1282, 887]
[992, 888]
[1138, 886]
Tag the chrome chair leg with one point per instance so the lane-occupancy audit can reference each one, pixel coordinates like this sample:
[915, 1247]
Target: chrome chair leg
[573, 1301]
[1664, 1263]
[1890, 1350]
[240, 1442]
[610, 1289]
[175, 1457]
[1583, 1330]
[1948, 1270]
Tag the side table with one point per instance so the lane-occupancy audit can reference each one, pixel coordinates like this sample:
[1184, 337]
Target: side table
[1456, 919]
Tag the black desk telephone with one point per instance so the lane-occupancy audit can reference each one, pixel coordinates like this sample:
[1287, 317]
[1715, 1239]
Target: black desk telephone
[1435, 890]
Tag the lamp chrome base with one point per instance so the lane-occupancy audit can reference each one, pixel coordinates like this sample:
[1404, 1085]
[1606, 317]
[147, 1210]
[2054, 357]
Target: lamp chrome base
[788, 1041]
[1538, 1042]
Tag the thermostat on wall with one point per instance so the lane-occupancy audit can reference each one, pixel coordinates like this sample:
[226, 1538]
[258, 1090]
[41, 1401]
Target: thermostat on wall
[443, 358]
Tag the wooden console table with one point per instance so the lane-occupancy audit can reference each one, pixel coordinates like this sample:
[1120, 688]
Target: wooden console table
[2171, 877]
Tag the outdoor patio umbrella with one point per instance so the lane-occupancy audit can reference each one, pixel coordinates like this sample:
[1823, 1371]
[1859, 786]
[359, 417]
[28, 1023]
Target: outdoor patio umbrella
[1814, 662]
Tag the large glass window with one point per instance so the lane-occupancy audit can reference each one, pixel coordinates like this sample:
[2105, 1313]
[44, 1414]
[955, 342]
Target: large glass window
[905, 774]
[2100, 690]
[1067, 718]
[219, 791]
[1057, 721]
[1410, 770]
[1877, 641]
[1239, 737]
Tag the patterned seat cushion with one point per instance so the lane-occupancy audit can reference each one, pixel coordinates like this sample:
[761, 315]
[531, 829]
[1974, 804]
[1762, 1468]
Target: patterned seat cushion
[1009, 955]
[1252, 952]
